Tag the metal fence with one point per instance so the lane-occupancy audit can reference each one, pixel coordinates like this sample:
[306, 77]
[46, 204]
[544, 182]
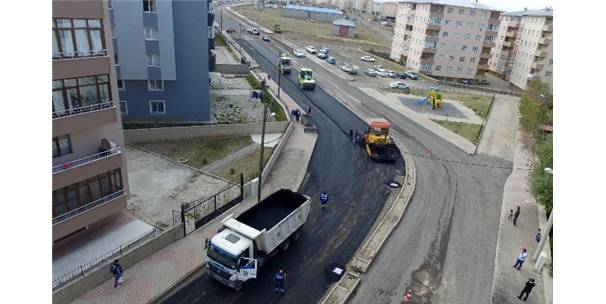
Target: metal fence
[198, 212]
[81, 270]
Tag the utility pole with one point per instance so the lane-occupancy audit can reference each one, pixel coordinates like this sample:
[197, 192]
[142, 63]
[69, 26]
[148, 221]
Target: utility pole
[221, 19]
[279, 74]
[546, 231]
[262, 146]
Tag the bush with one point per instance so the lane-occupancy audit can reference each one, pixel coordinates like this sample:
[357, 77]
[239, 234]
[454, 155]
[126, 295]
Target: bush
[541, 182]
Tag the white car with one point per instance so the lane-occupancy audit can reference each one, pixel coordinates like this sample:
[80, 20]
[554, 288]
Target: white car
[399, 86]
[383, 73]
[378, 67]
[299, 53]
[367, 58]
[311, 49]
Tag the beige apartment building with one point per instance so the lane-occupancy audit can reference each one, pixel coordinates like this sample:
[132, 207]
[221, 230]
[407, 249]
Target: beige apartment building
[89, 168]
[524, 47]
[445, 39]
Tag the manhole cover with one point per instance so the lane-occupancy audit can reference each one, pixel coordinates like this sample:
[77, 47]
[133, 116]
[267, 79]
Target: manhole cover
[334, 272]
[394, 184]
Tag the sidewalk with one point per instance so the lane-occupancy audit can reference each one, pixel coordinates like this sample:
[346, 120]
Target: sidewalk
[509, 282]
[165, 268]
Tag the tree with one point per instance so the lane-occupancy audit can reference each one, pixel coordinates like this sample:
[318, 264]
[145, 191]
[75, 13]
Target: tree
[541, 182]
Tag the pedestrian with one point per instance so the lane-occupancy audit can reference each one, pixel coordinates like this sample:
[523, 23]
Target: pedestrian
[292, 113]
[279, 278]
[309, 110]
[538, 236]
[521, 258]
[527, 289]
[297, 114]
[324, 199]
[353, 140]
[408, 296]
[515, 216]
[206, 243]
[351, 134]
[117, 271]
[510, 217]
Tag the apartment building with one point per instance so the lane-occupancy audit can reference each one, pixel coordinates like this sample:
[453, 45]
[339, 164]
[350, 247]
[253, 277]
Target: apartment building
[524, 47]
[445, 39]
[163, 56]
[89, 166]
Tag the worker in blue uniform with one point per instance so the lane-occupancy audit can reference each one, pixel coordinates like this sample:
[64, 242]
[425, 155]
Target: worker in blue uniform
[324, 199]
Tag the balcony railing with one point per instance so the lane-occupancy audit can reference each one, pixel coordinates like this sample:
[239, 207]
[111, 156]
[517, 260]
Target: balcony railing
[85, 160]
[88, 206]
[548, 27]
[79, 55]
[84, 109]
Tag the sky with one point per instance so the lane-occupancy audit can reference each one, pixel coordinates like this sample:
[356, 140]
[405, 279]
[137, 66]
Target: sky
[517, 5]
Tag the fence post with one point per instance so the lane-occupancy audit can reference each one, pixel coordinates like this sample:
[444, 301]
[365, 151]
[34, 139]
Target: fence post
[183, 221]
[242, 185]
[120, 249]
[215, 199]
[81, 270]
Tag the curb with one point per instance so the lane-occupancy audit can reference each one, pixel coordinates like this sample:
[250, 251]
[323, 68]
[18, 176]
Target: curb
[479, 137]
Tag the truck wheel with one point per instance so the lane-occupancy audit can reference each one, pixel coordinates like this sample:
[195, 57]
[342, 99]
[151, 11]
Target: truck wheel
[284, 246]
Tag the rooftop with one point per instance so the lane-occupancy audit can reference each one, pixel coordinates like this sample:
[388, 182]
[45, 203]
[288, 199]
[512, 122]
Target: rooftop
[546, 12]
[344, 22]
[459, 3]
[314, 9]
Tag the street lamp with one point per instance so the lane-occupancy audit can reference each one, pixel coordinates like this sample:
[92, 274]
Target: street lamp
[547, 228]
[262, 148]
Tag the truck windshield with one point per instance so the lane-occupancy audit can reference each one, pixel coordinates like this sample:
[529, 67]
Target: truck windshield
[286, 61]
[222, 256]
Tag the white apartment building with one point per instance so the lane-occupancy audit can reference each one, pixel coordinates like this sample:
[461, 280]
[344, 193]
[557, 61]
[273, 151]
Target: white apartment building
[445, 39]
[524, 47]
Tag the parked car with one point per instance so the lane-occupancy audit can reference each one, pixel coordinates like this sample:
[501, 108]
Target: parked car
[298, 53]
[370, 72]
[391, 74]
[483, 82]
[383, 73]
[383, 22]
[229, 30]
[467, 81]
[367, 58]
[349, 68]
[398, 85]
[311, 49]
[401, 75]
[378, 67]
[412, 75]
[331, 60]
[325, 50]
[322, 55]
[266, 38]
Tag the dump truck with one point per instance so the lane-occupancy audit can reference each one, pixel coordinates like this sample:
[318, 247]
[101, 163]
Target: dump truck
[376, 141]
[284, 65]
[306, 80]
[244, 243]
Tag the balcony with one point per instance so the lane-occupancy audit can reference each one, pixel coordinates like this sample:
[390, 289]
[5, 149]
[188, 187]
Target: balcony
[512, 34]
[547, 27]
[429, 50]
[434, 26]
[545, 40]
[79, 55]
[71, 172]
[83, 118]
[537, 65]
[540, 53]
[74, 220]
[427, 60]
[489, 44]
[513, 25]
[485, 55]
[483, 66]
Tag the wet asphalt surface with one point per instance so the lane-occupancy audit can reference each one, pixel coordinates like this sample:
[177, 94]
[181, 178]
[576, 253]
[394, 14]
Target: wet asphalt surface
[358, 191]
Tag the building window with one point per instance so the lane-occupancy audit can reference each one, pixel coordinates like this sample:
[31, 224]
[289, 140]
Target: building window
[469, 25]
[447, 21]
[149, 6]
[469, 71]
[442, 44]
[461, 11]
[77, 38]
[85, 192]
[439, 67]
[153, 60]
[459, 69]
[62, 145]
[155, 85]
[464, 47]
[548, 74]
[467, 36]
[550, 61]
[472, 60]
[116, 62]
[451, 58]
[475, 49]
[481, 26]
[444, 34]
[462, 59]
[121, 85]
[478, 37]
[123, 107]
[151, 33]
[157, 107]
[483, 13]
[74, 93]
[450, 9]
[472, 12]
[459, 23]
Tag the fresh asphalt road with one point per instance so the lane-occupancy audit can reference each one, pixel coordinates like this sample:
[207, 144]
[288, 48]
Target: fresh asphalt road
[358, 191]
[444, 246]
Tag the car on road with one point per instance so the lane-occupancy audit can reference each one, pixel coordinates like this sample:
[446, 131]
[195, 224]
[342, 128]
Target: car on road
[322, 55]
[370, 72]
[483, 82]
[253, 31]
[367, 58]
[349, 68]
[412, 75]
[398, 85]
[298, 53]
[331, 60]
[266, 38]
[311, 49]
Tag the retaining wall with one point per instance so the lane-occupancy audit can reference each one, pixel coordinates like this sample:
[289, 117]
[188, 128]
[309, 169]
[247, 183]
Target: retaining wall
[233, 68]
[101, 274]
[134, 136]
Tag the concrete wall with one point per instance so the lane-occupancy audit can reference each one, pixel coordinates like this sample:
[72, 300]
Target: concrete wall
[238, 69]
[101, 274]
[175, 133]
[301, 14]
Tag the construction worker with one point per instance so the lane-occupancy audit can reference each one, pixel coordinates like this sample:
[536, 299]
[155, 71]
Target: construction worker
[408, 296]
[279, 277]
[324, 199]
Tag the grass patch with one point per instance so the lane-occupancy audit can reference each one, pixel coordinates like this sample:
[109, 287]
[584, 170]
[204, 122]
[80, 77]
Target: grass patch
[199, 152]
[219, 41]
[273, 105]
[248, 166]
[468, 131]
[311, 28]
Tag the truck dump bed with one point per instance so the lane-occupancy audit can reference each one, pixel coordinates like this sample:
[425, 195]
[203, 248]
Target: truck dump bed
[273, 209]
